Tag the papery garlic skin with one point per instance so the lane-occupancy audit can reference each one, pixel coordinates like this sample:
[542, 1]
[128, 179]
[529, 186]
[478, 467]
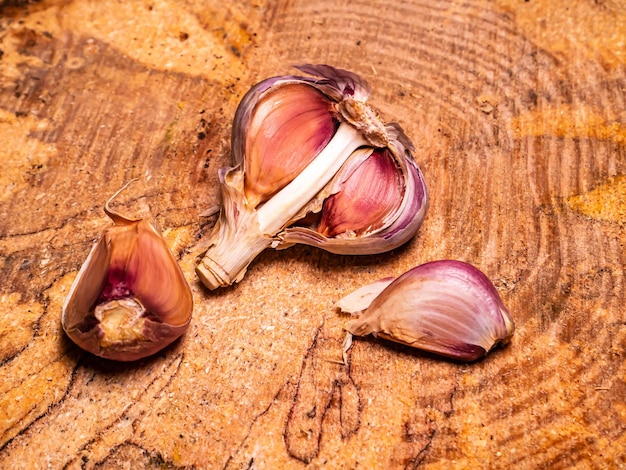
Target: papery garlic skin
[130, 298]
[286, 170]
[445, 307]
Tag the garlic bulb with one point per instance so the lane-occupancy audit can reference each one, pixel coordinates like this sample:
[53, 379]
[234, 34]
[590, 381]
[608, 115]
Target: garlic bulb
[313, 164]
[130, 298]
[444, 307]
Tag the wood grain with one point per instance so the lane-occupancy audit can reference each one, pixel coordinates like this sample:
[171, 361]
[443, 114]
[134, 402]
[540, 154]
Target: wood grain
[517, 112]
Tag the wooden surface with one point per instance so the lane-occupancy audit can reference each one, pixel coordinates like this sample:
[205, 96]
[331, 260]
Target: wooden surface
[517, 111]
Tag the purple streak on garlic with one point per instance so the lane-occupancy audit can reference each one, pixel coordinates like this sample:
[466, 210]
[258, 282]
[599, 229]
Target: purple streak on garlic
[130, 298]
[313, 164]
[445, 307]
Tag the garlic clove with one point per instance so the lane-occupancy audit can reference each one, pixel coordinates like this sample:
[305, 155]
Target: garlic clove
[130, 299]
[288, 129]
[296, 142]
[444, 307]
[398, 224]
[361, 208]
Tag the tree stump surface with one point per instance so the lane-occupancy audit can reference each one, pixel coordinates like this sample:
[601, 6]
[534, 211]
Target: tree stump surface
[517, 113]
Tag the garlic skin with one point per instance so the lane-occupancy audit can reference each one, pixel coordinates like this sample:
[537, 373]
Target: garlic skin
[445, 307]
[130, 298]
[312, 164]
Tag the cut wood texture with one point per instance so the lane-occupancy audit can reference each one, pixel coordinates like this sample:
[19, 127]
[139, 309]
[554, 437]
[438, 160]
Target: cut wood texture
[517, 112]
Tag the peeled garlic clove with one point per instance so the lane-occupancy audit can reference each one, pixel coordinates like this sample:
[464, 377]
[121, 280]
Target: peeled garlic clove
[303, 150]
[444, 307]
[130, 298]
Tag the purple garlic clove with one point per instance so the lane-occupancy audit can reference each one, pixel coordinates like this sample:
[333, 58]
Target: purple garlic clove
[445, 307]
[130, 298]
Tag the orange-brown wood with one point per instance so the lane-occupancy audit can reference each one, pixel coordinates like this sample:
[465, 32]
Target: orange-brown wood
[517, 112]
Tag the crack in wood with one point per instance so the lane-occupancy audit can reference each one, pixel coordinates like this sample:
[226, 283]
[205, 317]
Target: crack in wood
[139, 408]
[321, 385]
[47, 411]
[253, 422]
